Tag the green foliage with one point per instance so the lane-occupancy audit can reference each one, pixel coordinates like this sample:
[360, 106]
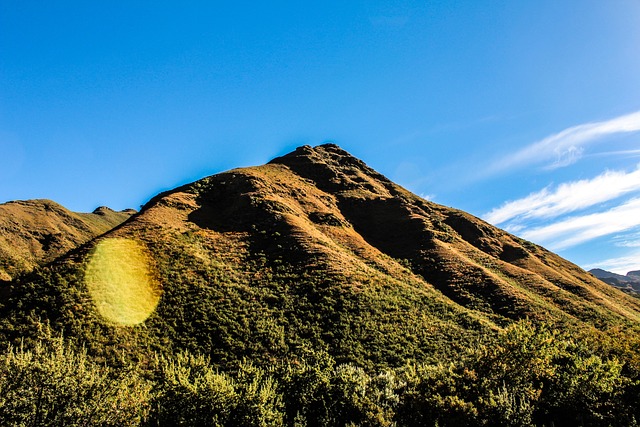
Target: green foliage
[320, 393]
[356, 347]
[437, 395]
[526, 375]
[190, 392]
[54, 385]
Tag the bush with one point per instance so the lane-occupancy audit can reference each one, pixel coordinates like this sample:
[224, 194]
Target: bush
[190, 392]
[52, 385]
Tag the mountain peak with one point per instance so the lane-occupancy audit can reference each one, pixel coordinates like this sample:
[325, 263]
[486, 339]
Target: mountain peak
[335, 170]
[323, 203]
[320, 208]
[324, 153]
[312, 260]
[102, 210]
[630, 281]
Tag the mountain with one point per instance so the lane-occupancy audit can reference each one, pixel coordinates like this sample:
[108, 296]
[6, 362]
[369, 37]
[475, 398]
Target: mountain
[321, 283]
[281, 256]
[629, 282]
[35, 232]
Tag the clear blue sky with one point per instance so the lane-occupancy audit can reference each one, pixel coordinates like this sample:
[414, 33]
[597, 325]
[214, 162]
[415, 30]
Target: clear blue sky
[487, 106]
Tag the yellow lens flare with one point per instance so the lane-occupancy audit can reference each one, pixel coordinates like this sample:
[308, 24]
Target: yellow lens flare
[121, 281]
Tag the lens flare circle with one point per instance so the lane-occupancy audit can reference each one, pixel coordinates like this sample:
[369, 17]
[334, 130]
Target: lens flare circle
[121, 281]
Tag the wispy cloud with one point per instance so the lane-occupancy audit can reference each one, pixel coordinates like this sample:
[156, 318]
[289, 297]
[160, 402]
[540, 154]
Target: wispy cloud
[566, 147]
[627, 240]
[567, 197]
[630, 153]
[575, 230]
[620, 265]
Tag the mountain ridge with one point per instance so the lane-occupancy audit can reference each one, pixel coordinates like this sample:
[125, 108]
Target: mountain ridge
[629, 282]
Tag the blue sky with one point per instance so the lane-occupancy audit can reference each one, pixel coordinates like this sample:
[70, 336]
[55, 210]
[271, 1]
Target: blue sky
[525, 113]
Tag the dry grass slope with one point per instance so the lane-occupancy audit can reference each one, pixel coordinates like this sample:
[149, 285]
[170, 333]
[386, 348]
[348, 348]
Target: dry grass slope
[368, 304]
[317, 250]
[34, 232]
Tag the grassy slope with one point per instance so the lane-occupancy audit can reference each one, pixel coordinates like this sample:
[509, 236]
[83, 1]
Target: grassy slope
[34, 232]
[470, 261]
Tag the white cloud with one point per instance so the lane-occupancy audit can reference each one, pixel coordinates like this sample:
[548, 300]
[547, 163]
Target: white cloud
[514, 228]
[627, 240]
[620, 265]
[576, 230]
[629, 244]
[567, 197]
[628, 153]
[567, 146]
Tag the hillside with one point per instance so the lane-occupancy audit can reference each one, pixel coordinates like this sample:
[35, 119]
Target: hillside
[473, 263]
[34, 232]
[260, 262]
[314, 262]
[294, 246]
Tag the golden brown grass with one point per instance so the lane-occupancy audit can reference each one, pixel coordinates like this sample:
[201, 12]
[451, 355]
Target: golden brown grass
[35, 232]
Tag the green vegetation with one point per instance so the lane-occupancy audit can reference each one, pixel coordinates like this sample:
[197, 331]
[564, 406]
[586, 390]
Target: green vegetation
[275, 345]
[53, 384]
[526, 375]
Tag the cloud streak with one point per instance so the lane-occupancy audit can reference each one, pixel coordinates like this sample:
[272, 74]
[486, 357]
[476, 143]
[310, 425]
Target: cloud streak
[620, 265]
[629, 153]
[567, 197]
[567, 146]
[576, 230]
[627, 240]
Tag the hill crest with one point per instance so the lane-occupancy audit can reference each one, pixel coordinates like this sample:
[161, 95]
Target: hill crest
[314, 291]
[324, 204]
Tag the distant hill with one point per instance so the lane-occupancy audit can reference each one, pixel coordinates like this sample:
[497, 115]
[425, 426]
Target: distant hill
[630, 281]
[34, 232]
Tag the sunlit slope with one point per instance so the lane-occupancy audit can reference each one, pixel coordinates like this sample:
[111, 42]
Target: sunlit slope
[315, 250]
[259, 262]
[467, 259]
[34, 232]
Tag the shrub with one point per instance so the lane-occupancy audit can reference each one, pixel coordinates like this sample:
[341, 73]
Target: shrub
[190, 392]
[52, 385]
